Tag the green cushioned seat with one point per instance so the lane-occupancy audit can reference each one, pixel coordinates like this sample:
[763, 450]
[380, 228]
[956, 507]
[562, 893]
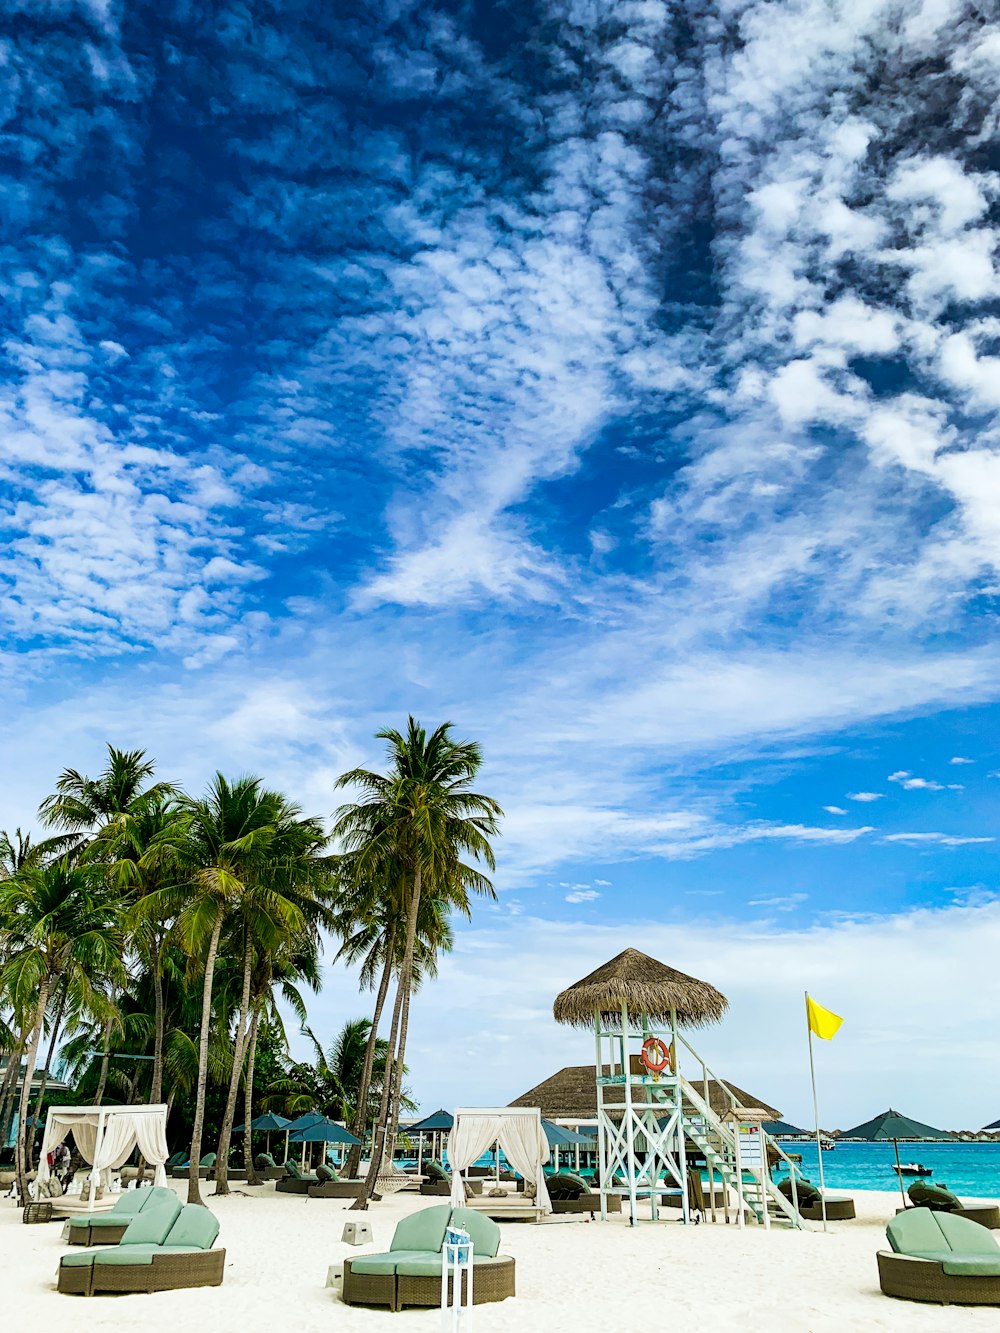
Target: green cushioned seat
[423, 1231]
[567, 1182]
[150, 1227]
[923, 1194]
[434, 1171]
[429, 1265]
[194, 1226]
[921, 1234]
[78, 1258]
[971, 1265]
[484, 1232]
[138, 1254]
[384, 1264]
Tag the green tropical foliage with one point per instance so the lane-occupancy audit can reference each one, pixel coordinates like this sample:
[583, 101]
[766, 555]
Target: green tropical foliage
[152, 944]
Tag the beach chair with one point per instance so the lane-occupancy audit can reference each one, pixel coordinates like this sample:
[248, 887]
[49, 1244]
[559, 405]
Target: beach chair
[939, 1258]
[570, 1193]
[437, 1182]
[839, 1207]
[205, 1165]
[164, 1248]
[108, 1228]
[409, 1274]
[293, 1181]
[939, 1199]
[267, 1168]
[330, 1185]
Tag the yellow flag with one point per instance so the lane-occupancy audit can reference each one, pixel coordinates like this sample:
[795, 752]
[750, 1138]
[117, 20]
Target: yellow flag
[822, 1021]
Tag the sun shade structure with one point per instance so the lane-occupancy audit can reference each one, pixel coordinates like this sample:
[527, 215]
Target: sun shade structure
[571, 1094]
[641, 986]
[438, 1122]
[268, 1121]
[891, 1126]
[519, 1135]
[106, 1137]
[323, 1131]
[561, 1137]
[781, 1129]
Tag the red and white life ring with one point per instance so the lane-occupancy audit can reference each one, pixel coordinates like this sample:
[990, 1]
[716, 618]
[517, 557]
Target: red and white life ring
[655, 1055]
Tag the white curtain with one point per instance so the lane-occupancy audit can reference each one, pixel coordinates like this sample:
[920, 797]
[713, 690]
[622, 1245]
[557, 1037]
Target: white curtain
[55, 1131]
[114, 1145]
[85, 1137]
[151, 1136]
[471, 1135]
[526, 1148]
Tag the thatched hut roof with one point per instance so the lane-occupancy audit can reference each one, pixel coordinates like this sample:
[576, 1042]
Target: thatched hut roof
[571, 1094]
[645, 987]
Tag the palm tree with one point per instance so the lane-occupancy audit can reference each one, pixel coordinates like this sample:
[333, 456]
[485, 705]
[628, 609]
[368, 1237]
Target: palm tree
[242, 844]
[62, 928]
[421, 817]
[83, 806]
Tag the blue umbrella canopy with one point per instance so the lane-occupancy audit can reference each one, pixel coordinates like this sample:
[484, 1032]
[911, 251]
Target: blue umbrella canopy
[269, 1121]
[303, 1121]
[323, 1131]
[891, 1125]
[561, 1137]
[436, 1123]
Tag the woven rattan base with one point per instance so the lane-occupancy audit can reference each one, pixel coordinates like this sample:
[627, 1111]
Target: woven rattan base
[167, 1272]
[89, 1235]
[924, 1280]
[492, 1282]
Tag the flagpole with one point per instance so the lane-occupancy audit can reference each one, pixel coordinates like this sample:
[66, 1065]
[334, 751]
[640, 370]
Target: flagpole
[819, 1146]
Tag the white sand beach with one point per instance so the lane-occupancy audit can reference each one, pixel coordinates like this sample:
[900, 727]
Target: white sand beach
[571, 1275]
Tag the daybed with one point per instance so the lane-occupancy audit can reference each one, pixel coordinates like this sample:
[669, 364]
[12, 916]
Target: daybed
[409, 1274]
[940, 1258]
[839, 1207]
[108, 1228]
[163, 1249]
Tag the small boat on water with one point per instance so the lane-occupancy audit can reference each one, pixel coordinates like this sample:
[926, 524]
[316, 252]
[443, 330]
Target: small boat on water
[913, 1169]
[828, 1145]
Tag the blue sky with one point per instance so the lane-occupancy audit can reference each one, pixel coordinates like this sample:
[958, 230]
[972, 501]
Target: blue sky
[621, 388]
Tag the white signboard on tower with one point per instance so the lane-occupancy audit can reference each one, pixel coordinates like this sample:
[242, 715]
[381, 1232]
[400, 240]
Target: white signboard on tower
[751, 1146]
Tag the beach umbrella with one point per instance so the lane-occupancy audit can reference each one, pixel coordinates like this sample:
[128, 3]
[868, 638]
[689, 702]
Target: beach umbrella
[438, 1122]
[890, 1125]
[267, 1123]
[321, 1130]
[781, 1129]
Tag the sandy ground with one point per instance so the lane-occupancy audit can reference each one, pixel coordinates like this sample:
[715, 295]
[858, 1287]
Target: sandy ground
[571, 1275]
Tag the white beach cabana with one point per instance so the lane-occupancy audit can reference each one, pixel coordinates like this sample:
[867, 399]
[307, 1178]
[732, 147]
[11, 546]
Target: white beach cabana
[106, 1136]
[517, 1130]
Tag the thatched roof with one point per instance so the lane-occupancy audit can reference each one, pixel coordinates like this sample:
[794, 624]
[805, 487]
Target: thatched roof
[572, 1095]
[645, 987]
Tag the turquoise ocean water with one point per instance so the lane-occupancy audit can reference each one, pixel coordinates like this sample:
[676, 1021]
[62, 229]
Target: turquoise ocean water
[971, 1169]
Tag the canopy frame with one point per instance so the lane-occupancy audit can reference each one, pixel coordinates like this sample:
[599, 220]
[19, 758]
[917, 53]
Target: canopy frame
[515, 1130]
[105, 1136]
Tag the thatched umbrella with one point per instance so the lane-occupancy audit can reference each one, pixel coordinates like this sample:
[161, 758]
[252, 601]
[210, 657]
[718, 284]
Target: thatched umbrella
[644, 987]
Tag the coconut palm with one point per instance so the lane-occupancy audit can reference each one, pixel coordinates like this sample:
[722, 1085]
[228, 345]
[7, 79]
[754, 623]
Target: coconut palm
[423, 818]
[83, 806]
[61, 926]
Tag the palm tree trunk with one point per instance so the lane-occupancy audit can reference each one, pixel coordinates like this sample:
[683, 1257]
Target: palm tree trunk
[48, 1059]
[252, 1177]
[378, 1133]
[25, 1132]
[9, 1085]
[239, 1047]
[395, 1072]
[102, 1082]
[364, 1086]
[156, 1089]
[194, 1194]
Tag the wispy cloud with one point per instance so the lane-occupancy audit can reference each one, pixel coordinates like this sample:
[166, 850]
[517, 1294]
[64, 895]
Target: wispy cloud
[582, 896]
[865, 797]
[959, 759]
[943, 839]
[834, 810]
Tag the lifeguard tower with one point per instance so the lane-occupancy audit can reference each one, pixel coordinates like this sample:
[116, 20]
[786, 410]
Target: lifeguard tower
[649, 1114]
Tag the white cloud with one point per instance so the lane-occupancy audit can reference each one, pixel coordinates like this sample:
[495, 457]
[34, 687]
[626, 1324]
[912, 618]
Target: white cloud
[834, 810]
[865, 796]
[959, 759]
[781, 903]
[909, 783]
[582, 896]
[943, 839]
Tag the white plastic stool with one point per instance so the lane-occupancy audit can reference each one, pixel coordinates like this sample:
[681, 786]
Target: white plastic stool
[357, 1233]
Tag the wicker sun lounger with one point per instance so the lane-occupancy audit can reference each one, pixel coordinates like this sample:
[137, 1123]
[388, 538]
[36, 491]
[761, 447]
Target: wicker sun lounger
[182, 1257]
[924, 1194]
[409, 1274]
[940, 1258]
[108, 1228]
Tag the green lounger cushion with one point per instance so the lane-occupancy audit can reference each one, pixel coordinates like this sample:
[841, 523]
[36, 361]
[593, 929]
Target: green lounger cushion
[78, 1258]
[806, 1192]
[150, 1227]
[566, 1183]
[423, 1231]
[924, 1195]
[264, 1160]
[484, 1232]
[919, 1232]
[178, 1159]
[429, 1265]
[194, 1226]
[384, 1264]
[139, 1254]
[325, 1174]
[129, 1205]
[434, 1171]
